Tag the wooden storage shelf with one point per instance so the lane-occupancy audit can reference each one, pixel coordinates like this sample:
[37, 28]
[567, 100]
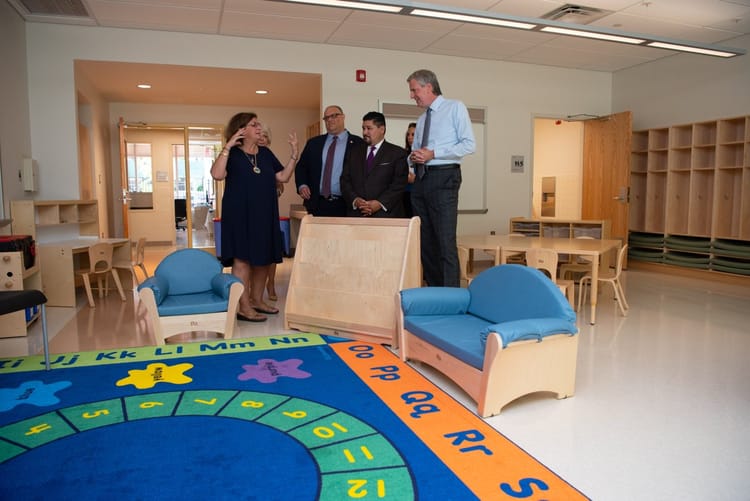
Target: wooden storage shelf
[703, 197]
[31, 215]
[638, 201]
[679, 158]
[704, 134]
[681, 136]
[658, 139]
[732, 130]
[656, 186]
[657, 160]
[731, 155]
[639, 161]
[563, 228]
[678, 200]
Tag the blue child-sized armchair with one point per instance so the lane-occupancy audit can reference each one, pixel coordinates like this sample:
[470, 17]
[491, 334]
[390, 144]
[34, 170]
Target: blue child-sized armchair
[510, 333]
[188, 293]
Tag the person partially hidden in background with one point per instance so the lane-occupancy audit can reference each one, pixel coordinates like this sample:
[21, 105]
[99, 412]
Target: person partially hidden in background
[408, 144]
[375, 173]
[265, 140]
[250, 233]
[319, 169]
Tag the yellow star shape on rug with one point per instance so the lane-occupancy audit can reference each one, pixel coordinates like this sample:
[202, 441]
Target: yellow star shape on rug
[157, 373]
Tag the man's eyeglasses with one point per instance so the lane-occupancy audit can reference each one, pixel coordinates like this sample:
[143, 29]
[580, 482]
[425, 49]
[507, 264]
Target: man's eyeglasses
[332, 116]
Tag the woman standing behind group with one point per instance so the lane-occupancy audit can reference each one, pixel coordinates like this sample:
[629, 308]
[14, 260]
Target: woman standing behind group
[250, 234]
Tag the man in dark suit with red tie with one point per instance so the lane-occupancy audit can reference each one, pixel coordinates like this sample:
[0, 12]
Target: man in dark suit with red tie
[375, 173]
[318, 171]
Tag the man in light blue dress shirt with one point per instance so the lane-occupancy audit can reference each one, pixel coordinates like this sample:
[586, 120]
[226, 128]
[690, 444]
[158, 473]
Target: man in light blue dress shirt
[437, 152]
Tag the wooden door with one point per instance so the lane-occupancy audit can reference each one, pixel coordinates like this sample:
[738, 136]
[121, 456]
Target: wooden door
[125, 198]
[606, 171]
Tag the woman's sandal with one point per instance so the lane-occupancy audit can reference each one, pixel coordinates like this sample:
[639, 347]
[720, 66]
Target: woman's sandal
[267, 311]
[254, 318]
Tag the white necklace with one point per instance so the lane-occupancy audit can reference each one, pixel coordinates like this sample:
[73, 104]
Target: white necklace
[253, 161]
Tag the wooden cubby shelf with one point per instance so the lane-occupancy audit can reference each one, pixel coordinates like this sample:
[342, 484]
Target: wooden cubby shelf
[690, 188]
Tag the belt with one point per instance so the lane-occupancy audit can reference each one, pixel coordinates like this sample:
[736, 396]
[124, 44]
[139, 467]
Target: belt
[428, 168]
[331, 198]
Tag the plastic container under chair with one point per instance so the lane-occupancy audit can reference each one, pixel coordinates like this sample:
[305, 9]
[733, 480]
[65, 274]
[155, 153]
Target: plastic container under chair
[285, 234]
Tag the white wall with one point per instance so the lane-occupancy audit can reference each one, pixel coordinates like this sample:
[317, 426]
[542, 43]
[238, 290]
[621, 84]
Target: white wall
[512, 93]
[685, 88]
[15, 140]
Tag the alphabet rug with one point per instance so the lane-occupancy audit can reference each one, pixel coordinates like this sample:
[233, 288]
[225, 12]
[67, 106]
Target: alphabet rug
[294, 416]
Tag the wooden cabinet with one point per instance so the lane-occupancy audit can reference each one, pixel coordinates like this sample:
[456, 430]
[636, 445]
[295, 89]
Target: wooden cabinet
[49, 220]
[565, 228]
[690, 195]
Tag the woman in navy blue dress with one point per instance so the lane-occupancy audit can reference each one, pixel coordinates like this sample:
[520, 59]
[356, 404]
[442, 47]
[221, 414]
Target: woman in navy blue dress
[250, 234]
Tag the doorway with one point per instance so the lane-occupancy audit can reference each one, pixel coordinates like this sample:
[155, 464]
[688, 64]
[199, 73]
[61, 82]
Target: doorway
[170, 195]
[558, 168]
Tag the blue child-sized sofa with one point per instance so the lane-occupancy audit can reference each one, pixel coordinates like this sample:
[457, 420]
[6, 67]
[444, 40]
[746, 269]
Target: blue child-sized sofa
[510, 333]
[189, 293]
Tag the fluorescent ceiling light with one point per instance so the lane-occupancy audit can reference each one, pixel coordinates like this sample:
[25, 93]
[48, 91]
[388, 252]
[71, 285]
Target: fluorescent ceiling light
[685, 48]
[472, 19]
[260, 91]
[351, 5]
[144, 86]
[458, 14]
[592, 34]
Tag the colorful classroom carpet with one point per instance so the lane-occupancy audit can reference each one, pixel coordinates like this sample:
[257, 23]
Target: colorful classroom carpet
[302, 417]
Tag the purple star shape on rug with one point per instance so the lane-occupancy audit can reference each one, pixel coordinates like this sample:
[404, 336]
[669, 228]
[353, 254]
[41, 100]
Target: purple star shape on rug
[268, 370]
[31, 392]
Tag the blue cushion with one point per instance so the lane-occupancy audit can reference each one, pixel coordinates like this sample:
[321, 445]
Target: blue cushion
[512, 292]
[222, 283]
[158, 285]
[188, 271]
[435, 301]
[529, 328]
[192, 304]
[455, 334]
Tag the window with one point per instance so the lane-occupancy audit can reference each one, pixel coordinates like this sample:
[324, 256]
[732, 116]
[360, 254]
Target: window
[140, 175]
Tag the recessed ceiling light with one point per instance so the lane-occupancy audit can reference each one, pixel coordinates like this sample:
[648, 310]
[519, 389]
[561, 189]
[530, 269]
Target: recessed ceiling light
[261, 92]
[144, 86]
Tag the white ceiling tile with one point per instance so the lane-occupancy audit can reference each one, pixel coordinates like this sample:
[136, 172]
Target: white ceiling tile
[483, 48]
[278, 27]
[262, 7]
[155, 16]
[695, 12]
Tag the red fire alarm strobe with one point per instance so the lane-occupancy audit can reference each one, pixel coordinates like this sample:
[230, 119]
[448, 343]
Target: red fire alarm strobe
[361, 76]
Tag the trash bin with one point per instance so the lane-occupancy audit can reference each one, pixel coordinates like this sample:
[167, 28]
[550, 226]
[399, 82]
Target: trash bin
[217, 236]
[285, 235]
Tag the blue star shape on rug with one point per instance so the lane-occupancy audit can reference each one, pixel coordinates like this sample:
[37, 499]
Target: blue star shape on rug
[32, 393]
[269, 370]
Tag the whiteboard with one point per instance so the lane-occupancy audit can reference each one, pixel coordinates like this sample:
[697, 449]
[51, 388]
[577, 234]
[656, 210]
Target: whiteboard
[473, 192]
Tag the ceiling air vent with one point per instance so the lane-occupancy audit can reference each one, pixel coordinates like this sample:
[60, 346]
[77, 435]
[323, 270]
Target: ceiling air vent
[70, 8]
[576, 14]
